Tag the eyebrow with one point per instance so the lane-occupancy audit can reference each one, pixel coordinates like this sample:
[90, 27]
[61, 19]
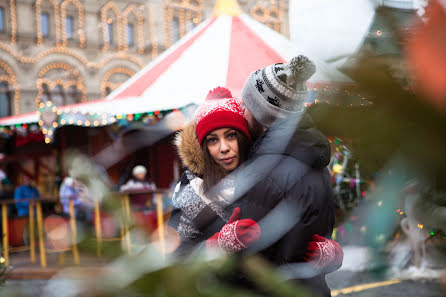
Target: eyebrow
[229, 131]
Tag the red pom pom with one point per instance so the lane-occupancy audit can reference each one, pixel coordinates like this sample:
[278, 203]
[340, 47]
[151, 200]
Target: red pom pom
[219, 93]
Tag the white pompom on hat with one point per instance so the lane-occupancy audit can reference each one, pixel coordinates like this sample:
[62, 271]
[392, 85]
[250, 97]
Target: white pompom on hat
[139, 169]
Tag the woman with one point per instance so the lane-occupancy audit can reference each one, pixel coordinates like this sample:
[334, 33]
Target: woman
[212, 147]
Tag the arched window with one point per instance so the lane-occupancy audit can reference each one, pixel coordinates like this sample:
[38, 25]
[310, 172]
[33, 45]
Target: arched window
[133, 26]
[45, 24]
[130, 35]
[69, 27]
[46, 94]
[5, 100]
[48, 21]
[175, 29]
[73, 95]
[114, 78]
[111, 22]
[58, 95]
[73, 22]
[110, 32]
[9, 91]
[60, 83]
[2, 19]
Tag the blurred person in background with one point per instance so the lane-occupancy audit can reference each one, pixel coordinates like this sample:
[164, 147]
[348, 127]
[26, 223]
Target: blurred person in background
[212, 147]
[74, 190]
[6, 189]
[138, 186]
[23, 193]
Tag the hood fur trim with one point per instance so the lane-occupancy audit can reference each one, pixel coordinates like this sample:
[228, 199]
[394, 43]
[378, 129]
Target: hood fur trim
[189, 149]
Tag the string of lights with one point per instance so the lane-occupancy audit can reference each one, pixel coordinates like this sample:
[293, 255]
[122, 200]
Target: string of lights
[13, 15]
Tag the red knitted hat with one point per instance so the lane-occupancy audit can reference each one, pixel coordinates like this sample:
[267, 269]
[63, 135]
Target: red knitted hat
[220, 110]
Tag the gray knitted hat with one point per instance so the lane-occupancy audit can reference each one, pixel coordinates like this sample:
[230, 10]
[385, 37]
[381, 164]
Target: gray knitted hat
[278, 90]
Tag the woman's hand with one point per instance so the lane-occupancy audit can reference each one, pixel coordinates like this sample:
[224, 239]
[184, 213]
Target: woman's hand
[324, 254]
[236, 235]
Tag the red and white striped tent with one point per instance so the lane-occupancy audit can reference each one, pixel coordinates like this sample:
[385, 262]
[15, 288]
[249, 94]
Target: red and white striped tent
[221, 51]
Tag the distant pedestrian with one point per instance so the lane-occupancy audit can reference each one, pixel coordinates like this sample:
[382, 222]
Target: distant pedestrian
[25, 192]
[138, 186]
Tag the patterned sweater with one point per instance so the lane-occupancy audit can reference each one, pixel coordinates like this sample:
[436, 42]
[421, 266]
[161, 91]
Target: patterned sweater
[196, 217]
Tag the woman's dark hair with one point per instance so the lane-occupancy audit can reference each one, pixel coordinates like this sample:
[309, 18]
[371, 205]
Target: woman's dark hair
[213, 173]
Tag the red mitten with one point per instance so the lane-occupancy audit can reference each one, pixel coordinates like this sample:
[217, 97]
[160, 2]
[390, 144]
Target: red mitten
[324, 254]
[236, 234]
[212, 242]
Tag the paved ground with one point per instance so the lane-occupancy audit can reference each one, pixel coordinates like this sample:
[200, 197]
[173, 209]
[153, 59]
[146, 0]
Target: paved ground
[337, 281]
[357, 281]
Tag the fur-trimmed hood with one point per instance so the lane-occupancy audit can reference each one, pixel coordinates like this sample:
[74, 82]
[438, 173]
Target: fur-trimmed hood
[189, 149]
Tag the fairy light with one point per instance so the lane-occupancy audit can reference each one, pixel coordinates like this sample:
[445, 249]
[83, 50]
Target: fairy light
[378, 33]
[63, 122]
[87, 123]
[80, 29]
[44, 131]
[13, 21]
[96, 123]
[70, 121]
[104, 122]
[50, 132]
[62, 50]
[421, 226]
[40, 123]
[79, 122]
[182, 23]
[47, 140]
[168, 12]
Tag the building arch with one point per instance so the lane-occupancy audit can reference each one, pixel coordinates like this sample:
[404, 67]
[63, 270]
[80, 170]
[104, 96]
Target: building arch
[114, 77]
[7, 75]
[60, 83]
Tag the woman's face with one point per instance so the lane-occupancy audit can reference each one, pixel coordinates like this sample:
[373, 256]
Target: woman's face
[223, 147]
